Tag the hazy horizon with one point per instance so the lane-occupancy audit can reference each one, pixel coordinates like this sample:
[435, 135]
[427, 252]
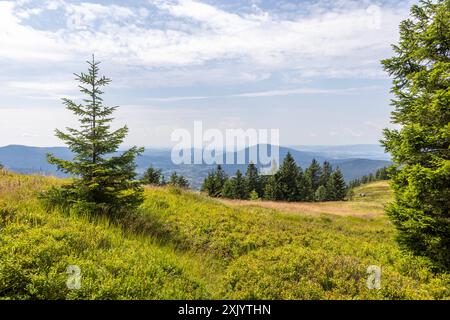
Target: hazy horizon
[169, 146]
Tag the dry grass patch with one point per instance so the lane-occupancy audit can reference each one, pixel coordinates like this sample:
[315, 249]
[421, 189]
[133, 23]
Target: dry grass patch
[376, 196]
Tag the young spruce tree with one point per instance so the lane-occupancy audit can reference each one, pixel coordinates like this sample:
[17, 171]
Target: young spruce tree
[153, 176]
[177, 180]
[104, 183]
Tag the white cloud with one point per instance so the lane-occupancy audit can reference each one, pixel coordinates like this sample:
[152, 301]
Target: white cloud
[47, 89]
[85, 15]
[176, 99]
[269, 93]
[191, 33]
[32, 86]
[287, 92]
[231, 122]
[23, 43]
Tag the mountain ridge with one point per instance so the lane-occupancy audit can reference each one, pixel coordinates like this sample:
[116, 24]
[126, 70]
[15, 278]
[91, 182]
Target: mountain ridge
[29, 159]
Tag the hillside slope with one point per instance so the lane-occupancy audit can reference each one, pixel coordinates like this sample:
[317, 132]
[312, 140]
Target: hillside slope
[37, 247]
[184, 245]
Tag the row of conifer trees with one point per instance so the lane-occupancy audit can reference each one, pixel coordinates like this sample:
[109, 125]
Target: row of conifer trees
[380, 174]
[156, 177]
[289, 183]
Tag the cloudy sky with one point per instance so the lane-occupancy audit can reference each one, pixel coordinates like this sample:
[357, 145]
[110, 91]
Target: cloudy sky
[308, 68]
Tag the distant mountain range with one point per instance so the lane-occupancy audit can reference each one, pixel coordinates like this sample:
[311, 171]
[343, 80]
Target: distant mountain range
[354, 160]
[365, 151]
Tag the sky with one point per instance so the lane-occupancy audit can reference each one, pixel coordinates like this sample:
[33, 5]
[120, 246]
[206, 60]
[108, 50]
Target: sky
[310, 69]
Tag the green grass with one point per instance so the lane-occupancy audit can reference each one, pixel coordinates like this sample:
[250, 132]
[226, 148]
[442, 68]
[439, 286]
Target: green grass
[183, 245]
[377, 192]
[36, 247]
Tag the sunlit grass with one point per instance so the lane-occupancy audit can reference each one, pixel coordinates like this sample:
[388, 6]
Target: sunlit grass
[369, 201]
[182, 244]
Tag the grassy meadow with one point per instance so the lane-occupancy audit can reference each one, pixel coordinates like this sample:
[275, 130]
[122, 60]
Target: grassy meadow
[376, 196]
[184, 245]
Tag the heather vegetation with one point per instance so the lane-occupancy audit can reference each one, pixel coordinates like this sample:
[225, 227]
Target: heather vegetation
[181, 244]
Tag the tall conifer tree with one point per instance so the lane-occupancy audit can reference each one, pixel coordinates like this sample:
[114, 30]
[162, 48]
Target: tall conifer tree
[214, 182]
[420, 149]
[287, 179]
[313, 174]
[327, 170]
[253, 179]
[336, 186]
[271, 190]
[236, 187]
[240, 185]
[104, 183]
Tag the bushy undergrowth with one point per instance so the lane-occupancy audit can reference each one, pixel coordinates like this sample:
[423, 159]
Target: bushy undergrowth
[184, 245]
[268, 255]
[294, 272]
[36, 248]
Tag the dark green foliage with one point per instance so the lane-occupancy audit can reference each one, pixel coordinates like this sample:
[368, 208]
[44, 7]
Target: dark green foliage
[306, 183]
[289, 183]
[314, 175]
[420, 70]
[240, 185]
[304, 187]
[270, 188]
[228, 189]
[321, 194]
[214, 182]
[287, 179]
[153, 176]
[177, 180]
[253, 180]
[208, 186]
[326, 173]
[105, 183]
[380, 174]
[350, 194]
[327, 170]
[253, 196]
[336, 186]
[283, 185]
[236, 187]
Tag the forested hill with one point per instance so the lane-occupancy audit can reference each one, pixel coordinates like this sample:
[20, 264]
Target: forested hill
[25, 159]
